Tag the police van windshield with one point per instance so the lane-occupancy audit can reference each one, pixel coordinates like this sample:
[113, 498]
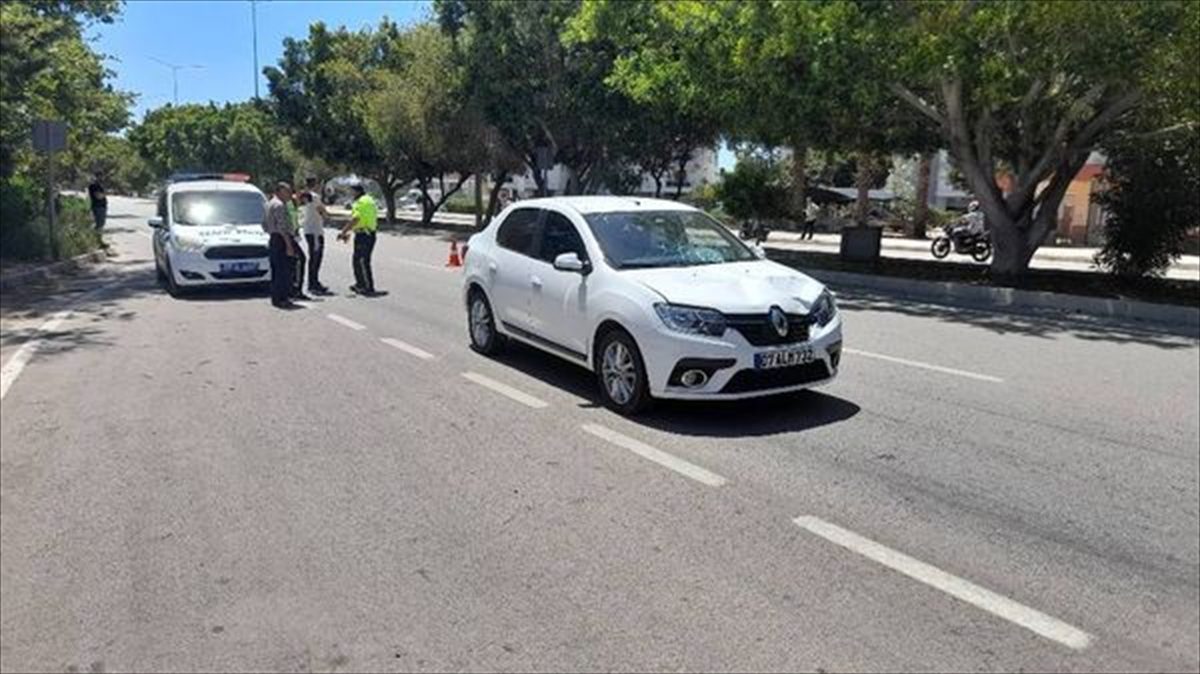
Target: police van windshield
[217, 208]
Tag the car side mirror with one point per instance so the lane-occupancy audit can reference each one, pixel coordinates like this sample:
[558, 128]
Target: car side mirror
[571, 262]
[156, 223]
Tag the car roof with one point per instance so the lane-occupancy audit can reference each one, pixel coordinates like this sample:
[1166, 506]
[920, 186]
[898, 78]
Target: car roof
[211, 186]
[605, 204]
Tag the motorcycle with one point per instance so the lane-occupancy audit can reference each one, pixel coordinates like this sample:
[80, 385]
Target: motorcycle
[755, 230]
[978, 246]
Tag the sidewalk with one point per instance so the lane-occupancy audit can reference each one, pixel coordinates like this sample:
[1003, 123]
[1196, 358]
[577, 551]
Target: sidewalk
[1073, 259]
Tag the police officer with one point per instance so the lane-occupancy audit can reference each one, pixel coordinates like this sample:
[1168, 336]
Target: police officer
[364, 221]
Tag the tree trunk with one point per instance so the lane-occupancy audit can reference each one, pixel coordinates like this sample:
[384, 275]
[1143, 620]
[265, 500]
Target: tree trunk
[389, 187]
[423, 184]
[657, 185]
[539, 179]
[681, 177]
[921, 208]
[494, 196]
[799, 194]
[863, 178]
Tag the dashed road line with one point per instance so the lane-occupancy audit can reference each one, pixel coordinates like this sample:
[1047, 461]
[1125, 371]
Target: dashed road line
[505, 389]
[16, 364]
[346, 322]
[998, 605]
[407, 348]
[685, 468]
[927, 366]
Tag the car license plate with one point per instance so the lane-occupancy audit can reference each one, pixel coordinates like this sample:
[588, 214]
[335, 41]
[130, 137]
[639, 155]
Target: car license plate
[239, 266]
[783, 358]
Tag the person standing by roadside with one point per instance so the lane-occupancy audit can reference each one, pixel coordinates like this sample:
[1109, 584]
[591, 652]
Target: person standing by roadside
[298, 261]
[99, 201]
[281, 246]
[364, 221]
[312, 223]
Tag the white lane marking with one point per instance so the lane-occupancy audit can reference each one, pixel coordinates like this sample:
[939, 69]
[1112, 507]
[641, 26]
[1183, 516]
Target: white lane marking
[346, 322]
[927, 366]
[998, 605]
[12, 369]
[407, 348]
[505, 389]
[658, 456]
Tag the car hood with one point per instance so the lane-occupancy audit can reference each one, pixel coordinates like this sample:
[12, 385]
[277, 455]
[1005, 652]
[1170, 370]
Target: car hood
[736, 288]
[219, 235]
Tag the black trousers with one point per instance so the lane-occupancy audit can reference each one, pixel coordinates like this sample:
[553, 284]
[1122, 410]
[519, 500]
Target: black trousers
[281, 269]
[298, 264]
[316, 253]
[364, 245]
[810, 226]
[99, 214]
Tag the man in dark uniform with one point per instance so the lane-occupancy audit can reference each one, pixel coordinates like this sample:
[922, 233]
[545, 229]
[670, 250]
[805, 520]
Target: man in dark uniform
[277, 222]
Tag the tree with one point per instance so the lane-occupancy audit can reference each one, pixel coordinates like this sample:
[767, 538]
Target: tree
[535, 89]
[122, 167]
[48, 70]
[236, 137]
[420, 115]
[319, 92]
[1030, 89]
[755, 190]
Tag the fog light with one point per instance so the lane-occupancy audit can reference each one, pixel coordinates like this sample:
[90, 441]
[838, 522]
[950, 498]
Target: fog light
[694, 378]
[191, 275]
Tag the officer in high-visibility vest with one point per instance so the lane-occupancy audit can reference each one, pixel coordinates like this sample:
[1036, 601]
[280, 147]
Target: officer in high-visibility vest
[364, 221]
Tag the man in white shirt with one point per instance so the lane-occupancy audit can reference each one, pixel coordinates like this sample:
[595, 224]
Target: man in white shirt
[312, 224]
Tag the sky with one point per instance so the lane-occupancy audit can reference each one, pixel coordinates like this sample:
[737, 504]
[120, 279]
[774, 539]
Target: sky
[216, 35]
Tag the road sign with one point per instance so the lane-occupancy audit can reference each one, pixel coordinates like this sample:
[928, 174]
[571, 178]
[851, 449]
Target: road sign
[49, 136]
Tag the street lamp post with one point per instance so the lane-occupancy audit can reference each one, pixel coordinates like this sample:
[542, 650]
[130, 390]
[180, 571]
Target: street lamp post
[254, 30]
[175, 68]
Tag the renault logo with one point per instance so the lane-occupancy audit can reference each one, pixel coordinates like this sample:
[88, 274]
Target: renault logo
[779, 321]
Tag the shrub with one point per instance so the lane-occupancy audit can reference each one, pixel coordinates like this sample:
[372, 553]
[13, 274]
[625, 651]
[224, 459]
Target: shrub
[23, 226]
[756, 189]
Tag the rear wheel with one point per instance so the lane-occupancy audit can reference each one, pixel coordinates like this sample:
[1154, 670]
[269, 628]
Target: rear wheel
[621, 374]
[941, 247]
[982, 251]
[481, 324]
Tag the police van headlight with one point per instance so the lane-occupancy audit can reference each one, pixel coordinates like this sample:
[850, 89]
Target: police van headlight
[189, 244]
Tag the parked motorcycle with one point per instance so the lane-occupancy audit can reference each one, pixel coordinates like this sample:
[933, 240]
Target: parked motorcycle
[754, 230]
[978, 246]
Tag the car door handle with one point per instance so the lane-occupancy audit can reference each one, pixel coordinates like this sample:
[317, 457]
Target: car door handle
[537, 282]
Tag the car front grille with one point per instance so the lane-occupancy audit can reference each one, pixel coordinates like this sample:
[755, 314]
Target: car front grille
[235, 252]
[748, 380]
[757, 329]
[231, 275]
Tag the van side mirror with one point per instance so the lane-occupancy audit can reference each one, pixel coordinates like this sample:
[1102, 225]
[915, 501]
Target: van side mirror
[155, 222]
[571, 262]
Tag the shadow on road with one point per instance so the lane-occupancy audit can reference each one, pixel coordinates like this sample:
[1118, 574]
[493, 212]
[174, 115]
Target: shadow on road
[1025, 324]
[787, 413]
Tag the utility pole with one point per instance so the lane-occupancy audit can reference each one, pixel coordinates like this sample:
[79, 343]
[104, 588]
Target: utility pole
[175, 68]
[254, 29]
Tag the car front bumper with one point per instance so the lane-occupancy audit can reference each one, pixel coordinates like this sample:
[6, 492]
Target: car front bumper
[192, 268]
[731, 360]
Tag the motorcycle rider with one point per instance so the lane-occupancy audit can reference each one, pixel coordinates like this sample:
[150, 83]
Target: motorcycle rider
[970, 226]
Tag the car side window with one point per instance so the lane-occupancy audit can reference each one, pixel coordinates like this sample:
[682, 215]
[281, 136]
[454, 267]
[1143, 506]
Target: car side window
[559, 236]
[518, 230]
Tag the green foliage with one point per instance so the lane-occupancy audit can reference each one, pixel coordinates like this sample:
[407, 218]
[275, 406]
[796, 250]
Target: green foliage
[48, 71]
[320, 92]
[1153, 200]
[236, 137]
[120, 166]
[24, 234]
[756, 189]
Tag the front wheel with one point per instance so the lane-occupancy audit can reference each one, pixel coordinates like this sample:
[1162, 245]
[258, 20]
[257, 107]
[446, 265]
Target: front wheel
[941, 247]
[621, 374]
[481, 324]
[982, 251]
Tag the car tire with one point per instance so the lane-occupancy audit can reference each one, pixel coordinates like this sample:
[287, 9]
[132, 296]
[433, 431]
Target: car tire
[173, 288]
[621, 374]
[481, 325]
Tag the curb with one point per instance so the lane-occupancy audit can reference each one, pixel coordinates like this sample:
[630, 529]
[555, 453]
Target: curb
[9, 281]
[1012, 298]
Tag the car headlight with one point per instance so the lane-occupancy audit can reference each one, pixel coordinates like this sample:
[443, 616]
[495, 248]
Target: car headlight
[824, 309]
[188, 244]
[693, 320]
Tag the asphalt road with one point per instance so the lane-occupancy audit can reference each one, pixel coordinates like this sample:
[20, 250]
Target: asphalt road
[211, 484]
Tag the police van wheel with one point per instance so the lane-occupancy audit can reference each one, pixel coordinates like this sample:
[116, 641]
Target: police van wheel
[481, 324]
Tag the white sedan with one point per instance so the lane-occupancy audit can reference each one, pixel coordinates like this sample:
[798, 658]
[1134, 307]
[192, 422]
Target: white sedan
[654, 296]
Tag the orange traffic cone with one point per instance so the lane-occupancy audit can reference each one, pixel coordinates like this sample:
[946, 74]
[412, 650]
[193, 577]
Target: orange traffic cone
[455, 260]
